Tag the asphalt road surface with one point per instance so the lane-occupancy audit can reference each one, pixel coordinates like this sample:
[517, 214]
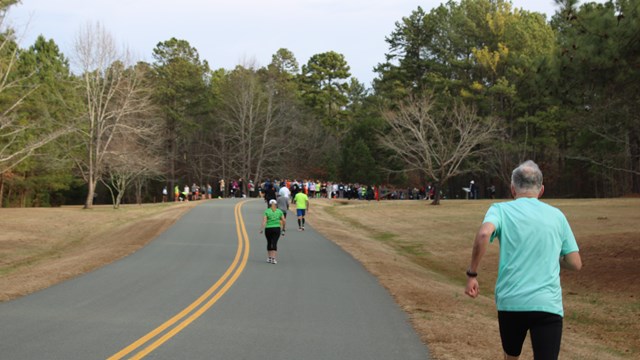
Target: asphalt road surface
[203, 290]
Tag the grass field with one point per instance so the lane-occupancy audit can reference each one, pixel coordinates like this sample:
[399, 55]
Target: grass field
[43, 246]
[420, 252]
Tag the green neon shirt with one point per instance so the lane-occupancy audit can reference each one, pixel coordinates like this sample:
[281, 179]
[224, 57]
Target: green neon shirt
[273, 218]
[301, 200]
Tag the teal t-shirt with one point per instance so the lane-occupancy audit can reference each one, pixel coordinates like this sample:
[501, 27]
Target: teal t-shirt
[533, 236]
[273, 218]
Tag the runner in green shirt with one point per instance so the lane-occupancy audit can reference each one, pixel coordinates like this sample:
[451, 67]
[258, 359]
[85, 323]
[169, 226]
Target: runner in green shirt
[272, 222]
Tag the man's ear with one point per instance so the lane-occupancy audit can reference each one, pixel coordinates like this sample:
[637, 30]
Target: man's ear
[541, 192]
[513, 191]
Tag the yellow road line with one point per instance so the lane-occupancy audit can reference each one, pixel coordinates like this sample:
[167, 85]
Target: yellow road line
[243, 251]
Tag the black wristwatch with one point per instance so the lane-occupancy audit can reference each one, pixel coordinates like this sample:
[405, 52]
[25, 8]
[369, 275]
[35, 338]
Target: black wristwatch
[472, 274]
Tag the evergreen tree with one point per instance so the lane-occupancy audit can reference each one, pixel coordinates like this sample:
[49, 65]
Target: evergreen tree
[325, 89]
[181, 83]
[598, 81]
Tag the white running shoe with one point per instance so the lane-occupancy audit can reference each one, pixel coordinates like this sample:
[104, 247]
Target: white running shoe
[269, 260]
[274, 261]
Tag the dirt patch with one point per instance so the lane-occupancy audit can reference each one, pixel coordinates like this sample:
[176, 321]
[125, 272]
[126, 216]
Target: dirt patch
[612, 269]
[42, 247]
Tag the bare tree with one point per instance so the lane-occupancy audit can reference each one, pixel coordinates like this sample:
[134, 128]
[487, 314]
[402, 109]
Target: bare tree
[135, 155]
[440, 144]
[113, 93]
[127, 166]
[256, 118]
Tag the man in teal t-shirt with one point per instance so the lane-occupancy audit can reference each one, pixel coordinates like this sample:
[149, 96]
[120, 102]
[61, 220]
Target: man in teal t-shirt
[535, 242]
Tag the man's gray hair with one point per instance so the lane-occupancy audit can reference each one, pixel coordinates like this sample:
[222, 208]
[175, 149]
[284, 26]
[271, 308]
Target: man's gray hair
[527, 177]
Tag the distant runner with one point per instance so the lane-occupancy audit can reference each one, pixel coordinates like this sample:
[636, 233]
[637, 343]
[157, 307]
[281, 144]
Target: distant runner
[284, 190]
[302, 205]
[272, 223]
[283, 205]
[269, 192]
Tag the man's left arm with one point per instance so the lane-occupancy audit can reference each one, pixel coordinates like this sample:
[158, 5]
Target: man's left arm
[570, 257]
[571, 261]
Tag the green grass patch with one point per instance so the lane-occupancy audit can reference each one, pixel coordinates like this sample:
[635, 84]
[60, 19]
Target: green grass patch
[411, 249]
[581, 317]
[385, 236]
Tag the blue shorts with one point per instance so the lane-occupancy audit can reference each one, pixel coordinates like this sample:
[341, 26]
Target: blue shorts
[301, 212]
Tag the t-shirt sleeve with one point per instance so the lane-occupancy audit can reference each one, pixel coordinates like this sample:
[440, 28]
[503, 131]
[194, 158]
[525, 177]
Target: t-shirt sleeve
[569, 243]
[493, 216]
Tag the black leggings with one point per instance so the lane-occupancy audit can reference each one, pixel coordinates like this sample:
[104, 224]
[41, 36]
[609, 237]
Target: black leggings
[272, 234]
[545, 329]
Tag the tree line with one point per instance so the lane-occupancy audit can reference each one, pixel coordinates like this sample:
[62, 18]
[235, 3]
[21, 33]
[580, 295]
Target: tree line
[466, 90]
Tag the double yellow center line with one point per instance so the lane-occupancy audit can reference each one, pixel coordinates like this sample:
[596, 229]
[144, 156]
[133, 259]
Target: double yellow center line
[171, 327]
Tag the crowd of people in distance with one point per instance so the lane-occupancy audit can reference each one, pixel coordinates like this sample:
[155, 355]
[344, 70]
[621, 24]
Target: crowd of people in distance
[315, 189]
[319, 189]
[207, 192]
[189, 193]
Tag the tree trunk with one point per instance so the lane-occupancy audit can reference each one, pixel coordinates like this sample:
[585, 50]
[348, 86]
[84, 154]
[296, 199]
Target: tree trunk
[172, 160]
[139, 184]
[121, 185]
[9, 194]
[634, 150]
[1, 190]
[116, 204]
[113, 196]
[88, 203]
[436, 194]
[23, 198]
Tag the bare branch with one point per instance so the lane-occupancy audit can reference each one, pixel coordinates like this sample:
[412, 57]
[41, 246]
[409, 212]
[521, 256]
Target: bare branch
[603, 164]
[115, 101]
[437, 144]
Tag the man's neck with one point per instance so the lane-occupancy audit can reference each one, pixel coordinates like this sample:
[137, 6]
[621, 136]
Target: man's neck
[526, 195]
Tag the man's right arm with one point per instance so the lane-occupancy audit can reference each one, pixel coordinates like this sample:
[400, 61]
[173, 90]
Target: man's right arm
[479, 248]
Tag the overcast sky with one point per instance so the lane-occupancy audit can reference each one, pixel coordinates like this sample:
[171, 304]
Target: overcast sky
[230, 32]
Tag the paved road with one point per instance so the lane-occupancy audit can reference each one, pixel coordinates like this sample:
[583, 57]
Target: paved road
[203, 290]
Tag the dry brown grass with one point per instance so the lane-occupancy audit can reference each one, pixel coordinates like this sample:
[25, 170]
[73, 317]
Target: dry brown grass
[419, 253]
[43, 246]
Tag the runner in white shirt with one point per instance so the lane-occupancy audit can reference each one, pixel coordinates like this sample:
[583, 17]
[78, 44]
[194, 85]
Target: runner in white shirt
[284, 191]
